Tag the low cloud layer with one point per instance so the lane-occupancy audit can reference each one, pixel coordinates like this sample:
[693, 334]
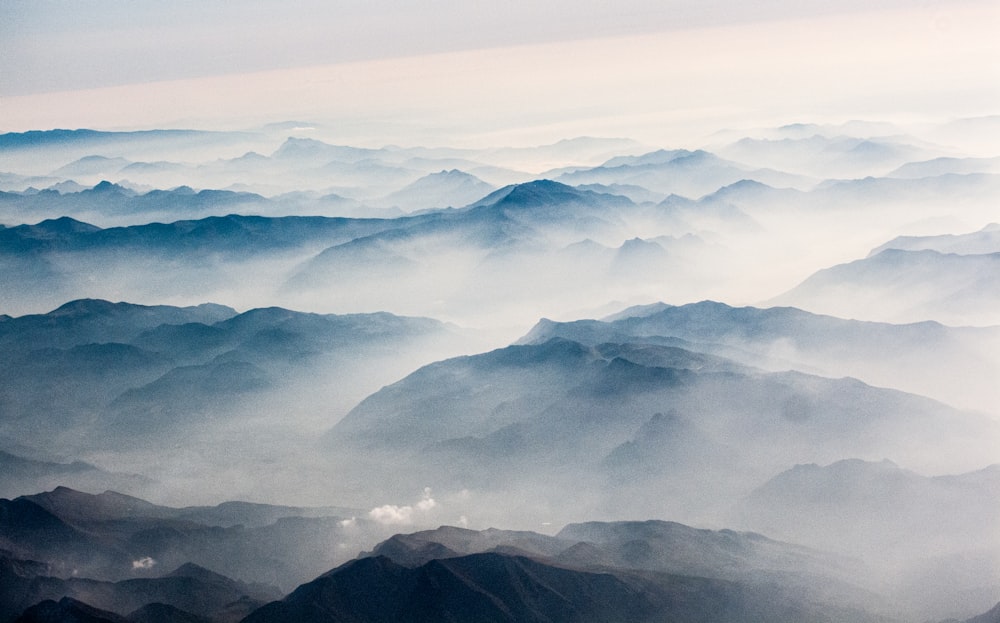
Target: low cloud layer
[393, 515]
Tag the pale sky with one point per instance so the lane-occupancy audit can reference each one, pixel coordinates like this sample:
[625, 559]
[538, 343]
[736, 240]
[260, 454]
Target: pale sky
[442, 71]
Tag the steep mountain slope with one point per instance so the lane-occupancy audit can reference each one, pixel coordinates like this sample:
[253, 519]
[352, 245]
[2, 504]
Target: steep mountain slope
[556, 416]
[93, 376]
[497, 587]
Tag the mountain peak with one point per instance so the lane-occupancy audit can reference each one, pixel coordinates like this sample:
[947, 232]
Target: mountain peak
[111, 188]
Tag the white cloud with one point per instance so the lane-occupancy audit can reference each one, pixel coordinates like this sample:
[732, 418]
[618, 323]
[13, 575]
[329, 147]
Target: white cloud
[393, 515]
[143, 563]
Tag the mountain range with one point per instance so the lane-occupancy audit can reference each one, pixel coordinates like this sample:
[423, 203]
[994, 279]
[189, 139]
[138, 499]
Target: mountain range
[409, 344]
[908, 285]
[915, 357]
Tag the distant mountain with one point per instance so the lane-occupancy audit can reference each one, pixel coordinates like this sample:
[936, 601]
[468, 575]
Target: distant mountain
[187, 589]
[92, 165]
[625, 571]
[651, 545]
[89, 321]
[319, 152]
[557, 414]
[906, 286]
[231, 233]
[483, 243]
[687, 173]
[36, 139]
[106, 202]
[837, 156]
[869, 504]
[444, 189]
[63, 259]
[92, 371]
[67, 609]
[915, 357]
[20, 476]
[993, 616]
[941, 166]
[497, 587]
[986, 240]
[122, 539]
[951, 560]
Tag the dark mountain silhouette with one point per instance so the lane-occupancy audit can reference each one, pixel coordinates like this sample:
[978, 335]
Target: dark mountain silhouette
[67, 610]
[501, 585]
[993, 616]
[20, 475]
[186, 590]
[117, 538]
[231, 233]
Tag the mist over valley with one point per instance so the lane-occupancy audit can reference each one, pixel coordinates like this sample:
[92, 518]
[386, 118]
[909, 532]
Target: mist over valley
[508, 314]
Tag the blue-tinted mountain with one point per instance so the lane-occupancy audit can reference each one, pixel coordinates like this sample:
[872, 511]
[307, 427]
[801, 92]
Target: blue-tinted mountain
[20, 476]
[164, 613]
[495, 587]
[67, 610]
[188, 589]
[217, 234]
[651, 545]
[92, 370]
[118, 538]
[523, 219]
[783, 337]
[34, 139]
[993, 616]
[560, 414]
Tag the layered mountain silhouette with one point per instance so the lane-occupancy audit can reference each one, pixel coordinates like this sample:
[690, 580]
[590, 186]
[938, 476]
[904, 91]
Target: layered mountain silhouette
[863, 506]
[590, 572]
[915, 357]
[118, 538]
[680, 172]
[864, 444]
[91, 372]
[616, 419]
